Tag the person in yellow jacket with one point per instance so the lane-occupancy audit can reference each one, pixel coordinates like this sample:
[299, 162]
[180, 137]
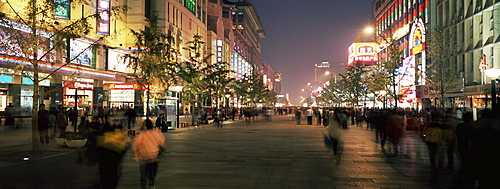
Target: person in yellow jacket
[112, 144]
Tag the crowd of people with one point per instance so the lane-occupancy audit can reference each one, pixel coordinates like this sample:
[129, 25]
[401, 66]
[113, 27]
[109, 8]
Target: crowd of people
[475, 142]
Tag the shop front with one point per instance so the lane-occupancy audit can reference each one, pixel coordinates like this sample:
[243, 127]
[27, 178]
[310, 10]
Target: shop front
[79, 94]
[477, 96]
[124, 95]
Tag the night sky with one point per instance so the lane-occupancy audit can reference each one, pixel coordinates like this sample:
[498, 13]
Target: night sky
[301, 33]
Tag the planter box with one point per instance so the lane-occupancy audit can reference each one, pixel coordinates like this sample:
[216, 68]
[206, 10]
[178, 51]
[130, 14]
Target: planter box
[61, 141]
[76, 143]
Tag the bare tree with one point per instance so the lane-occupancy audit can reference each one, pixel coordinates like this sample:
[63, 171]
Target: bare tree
[441, 74]
[385, 72]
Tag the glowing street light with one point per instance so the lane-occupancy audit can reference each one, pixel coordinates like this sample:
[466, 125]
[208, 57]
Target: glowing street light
[368, 30]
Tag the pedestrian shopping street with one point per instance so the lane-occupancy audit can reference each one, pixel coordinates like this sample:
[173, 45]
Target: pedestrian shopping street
[275, 154]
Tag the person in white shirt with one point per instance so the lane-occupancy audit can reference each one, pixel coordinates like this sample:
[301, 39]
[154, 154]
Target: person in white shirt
[309, 115]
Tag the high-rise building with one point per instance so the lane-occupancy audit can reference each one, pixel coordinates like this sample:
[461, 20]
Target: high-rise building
[322, 73]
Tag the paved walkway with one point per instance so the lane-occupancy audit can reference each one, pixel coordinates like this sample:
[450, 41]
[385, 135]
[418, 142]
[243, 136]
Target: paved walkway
[276, 154]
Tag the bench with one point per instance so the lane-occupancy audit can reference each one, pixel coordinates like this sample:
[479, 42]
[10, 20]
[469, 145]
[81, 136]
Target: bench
[183, 124]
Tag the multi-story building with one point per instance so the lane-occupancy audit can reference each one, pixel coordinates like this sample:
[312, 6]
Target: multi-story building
[98, 74]
[406, 23]
[473, 27]
[248, 30]
[83, 66]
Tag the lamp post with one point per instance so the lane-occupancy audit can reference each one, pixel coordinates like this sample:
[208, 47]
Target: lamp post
[383, 93]
[178, 90]
[227, 103]
[494, 74]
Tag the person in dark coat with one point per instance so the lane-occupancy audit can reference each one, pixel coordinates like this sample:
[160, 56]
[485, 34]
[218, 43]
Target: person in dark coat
[131, 115]
[485, 142]
[43, 125]
[9, 114]
[464, 134]
[160, 123]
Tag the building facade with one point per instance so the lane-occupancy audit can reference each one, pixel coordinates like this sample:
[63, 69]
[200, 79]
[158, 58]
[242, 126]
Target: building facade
[405, 22]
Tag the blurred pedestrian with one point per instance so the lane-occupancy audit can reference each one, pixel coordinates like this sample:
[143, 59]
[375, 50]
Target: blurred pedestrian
[52, 123]
[147, 147]
[434, 137]
[334, 132]
[160, 122]
[111, 147]
[485, 143]
[449, 136]
[395, 129]
[464, 134]
[62, 122]
[43, 125]
[9, 114]
[131, 115]
[73, 117]
[298, 115]
[309, 115]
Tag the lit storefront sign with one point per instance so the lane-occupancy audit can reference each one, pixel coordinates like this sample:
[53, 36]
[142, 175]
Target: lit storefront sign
[79, 85]
[126, 86]
[123, 92]
[417, 37]
[103, 9]
[63, 9]
[362, 52]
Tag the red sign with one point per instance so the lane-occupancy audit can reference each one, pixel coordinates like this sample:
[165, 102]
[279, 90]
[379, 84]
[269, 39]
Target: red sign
[79, 85]
[126, 86]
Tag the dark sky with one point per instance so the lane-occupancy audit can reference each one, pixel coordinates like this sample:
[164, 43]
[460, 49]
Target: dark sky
[301, 33]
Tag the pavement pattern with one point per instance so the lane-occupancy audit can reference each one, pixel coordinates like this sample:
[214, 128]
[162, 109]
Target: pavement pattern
[275, 154]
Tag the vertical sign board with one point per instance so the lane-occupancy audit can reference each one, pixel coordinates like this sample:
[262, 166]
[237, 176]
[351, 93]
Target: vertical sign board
[103, 22]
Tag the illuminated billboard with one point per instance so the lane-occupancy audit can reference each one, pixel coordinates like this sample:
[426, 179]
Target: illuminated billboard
[417, 37]
[362, 52]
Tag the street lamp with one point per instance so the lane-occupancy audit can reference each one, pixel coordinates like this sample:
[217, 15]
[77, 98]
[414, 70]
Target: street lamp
[227, 103]
[493, 73]
[178, 90]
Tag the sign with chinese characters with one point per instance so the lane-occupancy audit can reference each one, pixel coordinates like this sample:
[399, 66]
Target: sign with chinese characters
[103, 22]
[63, 9]
[362, 52]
